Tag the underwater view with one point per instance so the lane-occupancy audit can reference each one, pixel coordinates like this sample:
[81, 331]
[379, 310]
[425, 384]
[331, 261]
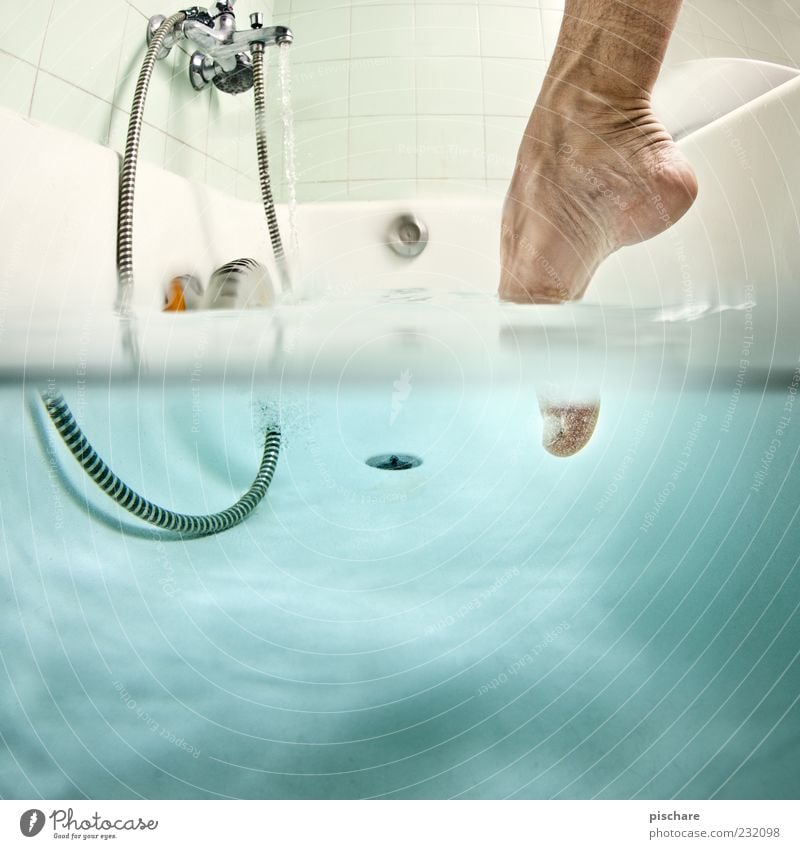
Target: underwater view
[488, 621]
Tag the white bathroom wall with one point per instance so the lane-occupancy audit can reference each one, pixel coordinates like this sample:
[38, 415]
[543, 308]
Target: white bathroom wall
[75, 65]
[755, 29]
[393, 98]
[396, 98]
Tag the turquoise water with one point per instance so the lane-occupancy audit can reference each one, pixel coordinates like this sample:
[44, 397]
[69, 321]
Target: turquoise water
[494, 623]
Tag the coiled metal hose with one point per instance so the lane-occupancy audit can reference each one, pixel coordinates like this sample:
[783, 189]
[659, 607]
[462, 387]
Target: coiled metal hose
[57, 408]
[113, 486]
[127, 177]
[263, 164]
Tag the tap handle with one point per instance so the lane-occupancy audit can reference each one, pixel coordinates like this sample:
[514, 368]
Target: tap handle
[199, 14]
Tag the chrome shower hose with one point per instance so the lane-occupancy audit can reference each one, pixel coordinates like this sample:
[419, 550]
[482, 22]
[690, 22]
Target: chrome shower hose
[259, 90]
[113, 486]
[56, 406]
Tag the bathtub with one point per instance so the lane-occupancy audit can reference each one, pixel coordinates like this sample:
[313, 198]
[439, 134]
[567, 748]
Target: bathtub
[736, 247]
[494, 622]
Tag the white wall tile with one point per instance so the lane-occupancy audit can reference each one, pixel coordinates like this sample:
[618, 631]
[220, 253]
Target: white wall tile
[511, 86]
[220, 176]
[764, 36]
[383, 30]
[450, 85]
[322, 149]
[61, 104]
[391, 96]
[454, 187]
[684, 47]
[690, 17]
[87, 71]
[447, 30]
[84, 48]
[222, 136]
[16, 83]
[184, 160]
[503, 136]
[721, 20]
[497, 188]
[321, 35]
[247, 188]
[790, 37]
[322, 191]
[320, 89]
[511, 32]
[382, 148]
[451, 148]
[381, 189]
[316, 5]
[188, 109]
[147, 8]
[382, 87]
[23, 27]
[551, 24]
[725, 49]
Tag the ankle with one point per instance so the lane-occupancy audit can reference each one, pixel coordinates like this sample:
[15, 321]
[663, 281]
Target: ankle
[579, 97]
[584, 118]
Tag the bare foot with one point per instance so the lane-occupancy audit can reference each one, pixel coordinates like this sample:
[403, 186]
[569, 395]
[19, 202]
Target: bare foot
[591, 177]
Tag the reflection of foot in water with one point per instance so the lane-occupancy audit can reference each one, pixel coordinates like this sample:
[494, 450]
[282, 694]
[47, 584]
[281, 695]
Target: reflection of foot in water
[567, 428]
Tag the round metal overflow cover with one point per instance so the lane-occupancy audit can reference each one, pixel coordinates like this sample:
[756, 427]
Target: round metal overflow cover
[394, 462]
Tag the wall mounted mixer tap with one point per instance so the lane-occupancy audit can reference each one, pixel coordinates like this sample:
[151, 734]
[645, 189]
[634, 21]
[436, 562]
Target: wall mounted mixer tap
[224, 56]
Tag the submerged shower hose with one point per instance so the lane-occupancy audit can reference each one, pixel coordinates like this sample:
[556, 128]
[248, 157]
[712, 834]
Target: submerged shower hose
[56, 406]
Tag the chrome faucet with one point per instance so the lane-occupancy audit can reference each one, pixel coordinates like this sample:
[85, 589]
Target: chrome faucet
[225, 55]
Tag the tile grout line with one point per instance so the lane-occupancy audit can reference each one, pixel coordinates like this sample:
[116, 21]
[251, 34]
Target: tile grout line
[11, 55]
[202, 148]
[117, 75]
[483, 95]
[41, 53]
[348, 84]
[416, 100]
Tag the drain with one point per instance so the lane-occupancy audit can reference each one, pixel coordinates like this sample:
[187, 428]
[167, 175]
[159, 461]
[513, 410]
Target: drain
[394, 462]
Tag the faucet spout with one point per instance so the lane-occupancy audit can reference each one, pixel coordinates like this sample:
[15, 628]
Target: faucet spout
[220, 39]
[243, 40]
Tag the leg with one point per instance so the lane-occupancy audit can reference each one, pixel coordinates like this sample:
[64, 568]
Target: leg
[595, 170]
